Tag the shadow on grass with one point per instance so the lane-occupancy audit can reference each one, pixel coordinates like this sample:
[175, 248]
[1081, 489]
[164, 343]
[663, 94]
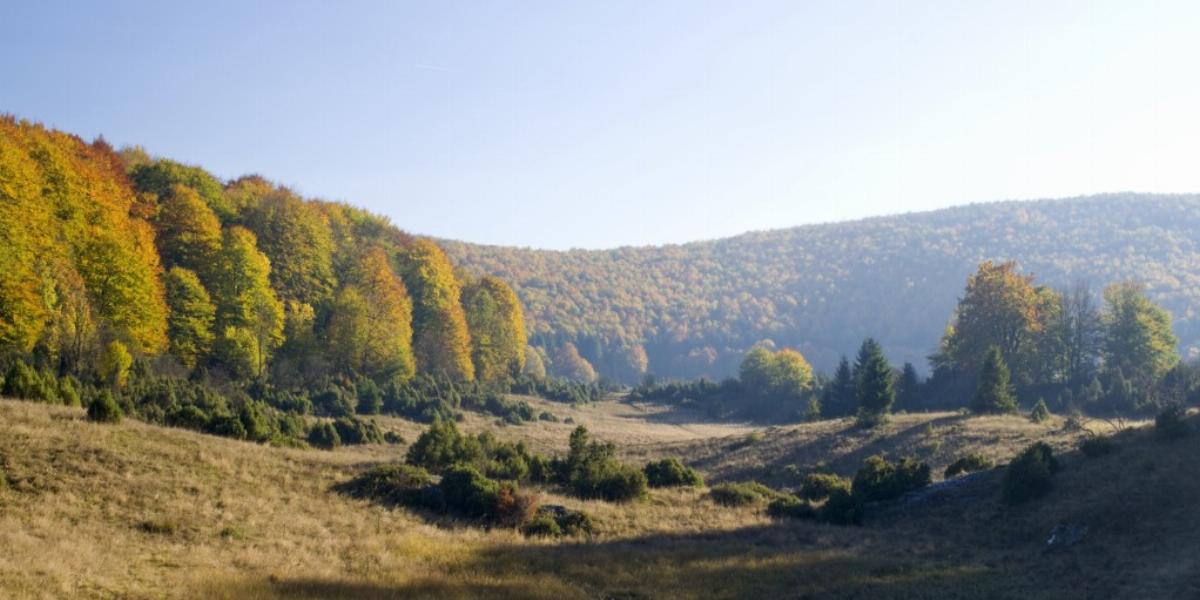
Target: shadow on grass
[795, 560]
[772, 470]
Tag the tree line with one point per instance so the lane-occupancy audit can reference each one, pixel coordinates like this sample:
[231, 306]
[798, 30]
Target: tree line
[112, 259]
[1010, 343]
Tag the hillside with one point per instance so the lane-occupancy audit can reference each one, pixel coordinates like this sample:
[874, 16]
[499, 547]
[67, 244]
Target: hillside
[140, 511]
[693, 309]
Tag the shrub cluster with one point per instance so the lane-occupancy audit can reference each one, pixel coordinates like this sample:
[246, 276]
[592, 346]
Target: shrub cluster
[742, 493]
[1029, 475]
[104, 409]
[670, 472]
[844, 500]
[592, 471]
[443, 446]
[819, 486]
[878, 479]
[556, 521]
[558, 390]
[970, 463]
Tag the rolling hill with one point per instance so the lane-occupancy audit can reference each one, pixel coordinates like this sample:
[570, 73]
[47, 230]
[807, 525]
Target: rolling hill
[693, 309]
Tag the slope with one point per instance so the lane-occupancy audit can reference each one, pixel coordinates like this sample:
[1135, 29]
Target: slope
[140, 511]
[695, 308]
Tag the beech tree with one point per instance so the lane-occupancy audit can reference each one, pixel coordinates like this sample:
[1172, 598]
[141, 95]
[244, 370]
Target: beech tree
[189, 326]
[249, 318]
[1138, 338]
[296, 238]
[497, 328]
[371, 325]
[189, 234]
[999, 308]
[441, 342]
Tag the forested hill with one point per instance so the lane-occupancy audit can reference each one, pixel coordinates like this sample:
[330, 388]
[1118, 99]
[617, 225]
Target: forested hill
[695, 308]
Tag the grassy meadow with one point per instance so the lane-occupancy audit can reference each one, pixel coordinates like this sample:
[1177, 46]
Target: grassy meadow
[140, 511]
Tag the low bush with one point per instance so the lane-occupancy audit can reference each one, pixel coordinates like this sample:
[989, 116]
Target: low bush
[556, 521]
[104, 409]
[791, 507]
[879, 479]
[395, 484]
[819, 486]
[741, 493]
[970, 463]
[467, 492]
[1170, 424]
[324, 435]
[442, 445]
[1030, 475]
[542, 525]
[353, 431]
[515, 508]
[1095, 446]
[670, 472]
[842, 508]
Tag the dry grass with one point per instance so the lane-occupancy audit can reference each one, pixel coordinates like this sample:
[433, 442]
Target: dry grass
[144, 512]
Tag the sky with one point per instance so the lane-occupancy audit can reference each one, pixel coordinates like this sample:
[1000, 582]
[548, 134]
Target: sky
[607, 123]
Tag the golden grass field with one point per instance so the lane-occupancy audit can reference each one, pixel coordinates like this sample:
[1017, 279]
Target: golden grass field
[139, 511]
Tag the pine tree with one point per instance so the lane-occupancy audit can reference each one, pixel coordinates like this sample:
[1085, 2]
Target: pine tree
[1040, 412]
[994, 394]
[842, 392]
[876, 392]
[909, 394]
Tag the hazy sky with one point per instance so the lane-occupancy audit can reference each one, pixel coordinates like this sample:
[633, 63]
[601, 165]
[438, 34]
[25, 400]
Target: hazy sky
[605, 123]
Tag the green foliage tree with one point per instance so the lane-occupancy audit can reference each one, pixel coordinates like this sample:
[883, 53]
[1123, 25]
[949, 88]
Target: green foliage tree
[249, 318]
[497, 327]
[441, 341]
[1138, 338]
[776, 379]
[189, 326]
[994, 394]
[296, 237]
[875, 389]
[115, 362]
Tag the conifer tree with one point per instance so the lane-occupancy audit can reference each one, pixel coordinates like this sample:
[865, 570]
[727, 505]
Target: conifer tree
[842, 397]
[908, 395]
[876, 392]
[994, 394]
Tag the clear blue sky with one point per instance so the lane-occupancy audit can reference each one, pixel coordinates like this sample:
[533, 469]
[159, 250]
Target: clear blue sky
[605, 123]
